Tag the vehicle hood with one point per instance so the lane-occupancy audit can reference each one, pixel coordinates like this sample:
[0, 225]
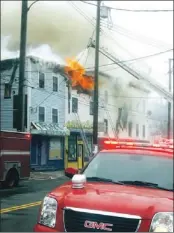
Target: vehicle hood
[144, 202]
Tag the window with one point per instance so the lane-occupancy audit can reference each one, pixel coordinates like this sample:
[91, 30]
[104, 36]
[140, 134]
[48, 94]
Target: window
[105, 126]
[41, 80]
[143, 168]
[72, 148]
[55, 115]
[55, 83]
[74, 105]
[41, 114]
[144, 106]
[137, 130]
[144, 131]
[7, 91]
[106, 97]
[55, 149]
[91, 108]
[130, 129]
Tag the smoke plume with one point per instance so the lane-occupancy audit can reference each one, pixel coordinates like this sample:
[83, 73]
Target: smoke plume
[56, 24]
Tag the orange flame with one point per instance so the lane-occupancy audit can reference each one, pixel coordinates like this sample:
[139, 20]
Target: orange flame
[76, 72]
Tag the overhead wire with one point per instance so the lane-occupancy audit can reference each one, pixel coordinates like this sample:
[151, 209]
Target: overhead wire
[104, 32]
[83, 103]
[135, 36]
[132, 10]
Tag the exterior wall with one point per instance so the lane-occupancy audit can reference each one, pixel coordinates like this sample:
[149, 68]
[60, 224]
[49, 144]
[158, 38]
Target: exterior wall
[118, 97]
[83, 108]
[36, 96]
[6, 105]
[115, 81]
[45, 97]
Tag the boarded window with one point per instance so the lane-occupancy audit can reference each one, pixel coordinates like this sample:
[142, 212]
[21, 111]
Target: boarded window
[41, 114]
[41, 80]
[55, 115]
[55, 83]
[74, 105]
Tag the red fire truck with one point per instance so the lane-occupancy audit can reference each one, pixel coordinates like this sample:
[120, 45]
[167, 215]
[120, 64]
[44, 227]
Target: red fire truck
[14, 157]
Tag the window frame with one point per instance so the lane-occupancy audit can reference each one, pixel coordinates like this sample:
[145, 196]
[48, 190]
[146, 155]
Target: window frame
[57, 115]
[7, 89]
[40, 73]
[39, 114]
[91, 108]
[137, 130]
[72, 104]
[54, 76]
[106, 97]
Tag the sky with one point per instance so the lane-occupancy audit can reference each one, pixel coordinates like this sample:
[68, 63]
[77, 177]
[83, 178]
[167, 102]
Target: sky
[57, 30]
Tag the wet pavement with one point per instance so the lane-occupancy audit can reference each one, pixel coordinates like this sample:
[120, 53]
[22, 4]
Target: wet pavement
[25, 200]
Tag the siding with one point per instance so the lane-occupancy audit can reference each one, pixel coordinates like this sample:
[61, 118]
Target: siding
[36, 97]
[6, 105]
[46, 97]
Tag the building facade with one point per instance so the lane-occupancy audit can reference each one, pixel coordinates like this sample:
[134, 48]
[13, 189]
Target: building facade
[45, 109]
[122, 99]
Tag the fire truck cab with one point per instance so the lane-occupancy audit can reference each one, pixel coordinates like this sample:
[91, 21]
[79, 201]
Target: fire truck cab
[14, 157]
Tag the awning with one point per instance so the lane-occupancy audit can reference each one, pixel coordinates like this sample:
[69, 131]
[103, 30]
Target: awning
[48, 129]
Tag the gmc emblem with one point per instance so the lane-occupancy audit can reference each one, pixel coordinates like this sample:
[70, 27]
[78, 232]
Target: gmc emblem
[98, 226]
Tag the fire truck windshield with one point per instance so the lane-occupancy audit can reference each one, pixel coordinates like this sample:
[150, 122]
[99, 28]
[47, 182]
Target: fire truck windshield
[130, 168]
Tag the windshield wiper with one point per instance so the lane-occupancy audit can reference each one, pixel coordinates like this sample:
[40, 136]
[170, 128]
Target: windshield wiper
[144, 184]
[104, 180]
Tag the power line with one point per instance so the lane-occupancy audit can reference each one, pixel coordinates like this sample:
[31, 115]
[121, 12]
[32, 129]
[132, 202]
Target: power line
[134, 36]
[84, 103]
[105, 65]
[91, 21]
[132, 10]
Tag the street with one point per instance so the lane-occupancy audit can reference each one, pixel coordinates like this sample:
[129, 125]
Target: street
[19, 206]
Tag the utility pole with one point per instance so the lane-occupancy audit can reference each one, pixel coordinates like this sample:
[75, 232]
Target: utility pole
[169, 104]
[95, 105]
[21, 90]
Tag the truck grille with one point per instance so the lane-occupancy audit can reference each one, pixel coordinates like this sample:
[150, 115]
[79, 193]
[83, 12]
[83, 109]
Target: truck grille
[74, 220]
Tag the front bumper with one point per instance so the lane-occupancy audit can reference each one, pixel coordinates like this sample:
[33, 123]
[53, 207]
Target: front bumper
[41, 228]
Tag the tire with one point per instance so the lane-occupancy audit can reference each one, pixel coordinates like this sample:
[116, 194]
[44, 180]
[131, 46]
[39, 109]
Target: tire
[12, 179]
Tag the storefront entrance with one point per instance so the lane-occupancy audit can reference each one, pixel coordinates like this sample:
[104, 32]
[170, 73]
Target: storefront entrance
[78, 155]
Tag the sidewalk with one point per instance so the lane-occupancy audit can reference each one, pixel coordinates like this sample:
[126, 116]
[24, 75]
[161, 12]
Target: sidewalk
[51, 175]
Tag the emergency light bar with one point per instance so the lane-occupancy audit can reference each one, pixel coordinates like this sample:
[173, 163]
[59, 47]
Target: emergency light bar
[136, 144]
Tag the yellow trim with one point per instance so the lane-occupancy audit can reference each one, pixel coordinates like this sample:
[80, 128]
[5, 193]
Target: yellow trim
[66, 154]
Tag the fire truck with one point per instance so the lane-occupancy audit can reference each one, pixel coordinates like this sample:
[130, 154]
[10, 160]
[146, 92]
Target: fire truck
[14, 158]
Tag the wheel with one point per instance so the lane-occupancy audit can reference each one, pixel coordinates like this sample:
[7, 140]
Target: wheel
[12, 179]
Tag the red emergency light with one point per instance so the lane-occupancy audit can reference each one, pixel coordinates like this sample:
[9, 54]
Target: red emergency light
[112, 144]
[28, 136]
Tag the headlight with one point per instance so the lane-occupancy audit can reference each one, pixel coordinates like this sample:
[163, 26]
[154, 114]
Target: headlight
[162, 222]
[48, 212]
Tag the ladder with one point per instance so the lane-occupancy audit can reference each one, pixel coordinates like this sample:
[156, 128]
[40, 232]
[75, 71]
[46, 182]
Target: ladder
[150, 81]
[111, 122]
[82, 133]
